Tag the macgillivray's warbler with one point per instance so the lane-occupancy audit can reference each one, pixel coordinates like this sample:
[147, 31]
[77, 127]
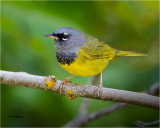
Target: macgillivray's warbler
[83, 55]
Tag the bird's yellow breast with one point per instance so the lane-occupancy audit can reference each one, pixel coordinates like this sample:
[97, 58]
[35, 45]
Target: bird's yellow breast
[83, 66]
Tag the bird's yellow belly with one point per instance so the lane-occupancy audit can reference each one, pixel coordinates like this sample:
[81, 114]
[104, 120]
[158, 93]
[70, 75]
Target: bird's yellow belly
[86, 67]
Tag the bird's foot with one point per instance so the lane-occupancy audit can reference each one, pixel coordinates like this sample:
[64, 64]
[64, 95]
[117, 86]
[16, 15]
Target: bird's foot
[98, 89]
[62, 85]
[64, 82]
[50, 82]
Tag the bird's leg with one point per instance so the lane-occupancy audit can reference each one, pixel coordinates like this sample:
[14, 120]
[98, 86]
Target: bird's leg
[100, 84]
[64, 82]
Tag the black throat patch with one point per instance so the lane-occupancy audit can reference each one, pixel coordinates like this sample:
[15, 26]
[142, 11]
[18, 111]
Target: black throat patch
[64, 58]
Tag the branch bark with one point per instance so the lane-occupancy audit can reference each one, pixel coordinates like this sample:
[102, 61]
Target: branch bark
[87, 91]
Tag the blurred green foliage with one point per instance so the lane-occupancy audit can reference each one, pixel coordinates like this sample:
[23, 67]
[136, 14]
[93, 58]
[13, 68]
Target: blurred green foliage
[124, 25]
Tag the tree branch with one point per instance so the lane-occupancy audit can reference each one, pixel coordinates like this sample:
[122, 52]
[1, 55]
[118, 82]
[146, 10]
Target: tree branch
[88, 91]
[80, 121]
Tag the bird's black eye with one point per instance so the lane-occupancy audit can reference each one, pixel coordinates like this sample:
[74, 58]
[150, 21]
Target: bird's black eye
[65, 36]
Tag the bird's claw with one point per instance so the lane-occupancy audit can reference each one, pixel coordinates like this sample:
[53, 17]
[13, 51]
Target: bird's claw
[98, 89]
[62, 85]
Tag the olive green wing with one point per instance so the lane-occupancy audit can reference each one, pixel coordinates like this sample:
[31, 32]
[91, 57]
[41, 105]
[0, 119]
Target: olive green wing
[94, 49]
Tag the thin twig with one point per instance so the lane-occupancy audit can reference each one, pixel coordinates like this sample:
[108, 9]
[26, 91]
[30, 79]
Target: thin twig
[105, 111]
[87, 91]
[144, 124]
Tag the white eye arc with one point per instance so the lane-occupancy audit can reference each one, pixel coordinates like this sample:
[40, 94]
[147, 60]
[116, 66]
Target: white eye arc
[65, 36]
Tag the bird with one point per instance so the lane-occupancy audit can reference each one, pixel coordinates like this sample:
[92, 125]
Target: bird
[83, 55]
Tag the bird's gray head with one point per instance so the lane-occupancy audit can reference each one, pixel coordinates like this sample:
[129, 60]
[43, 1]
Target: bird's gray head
[67, 40]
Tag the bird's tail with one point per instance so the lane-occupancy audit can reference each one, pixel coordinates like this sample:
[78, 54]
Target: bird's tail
[128, 53]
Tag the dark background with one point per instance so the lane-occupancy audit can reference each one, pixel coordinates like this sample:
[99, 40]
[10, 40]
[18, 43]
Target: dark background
[123, 25]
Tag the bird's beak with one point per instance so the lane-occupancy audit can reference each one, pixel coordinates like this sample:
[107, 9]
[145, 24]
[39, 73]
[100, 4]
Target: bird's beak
[51, 36]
